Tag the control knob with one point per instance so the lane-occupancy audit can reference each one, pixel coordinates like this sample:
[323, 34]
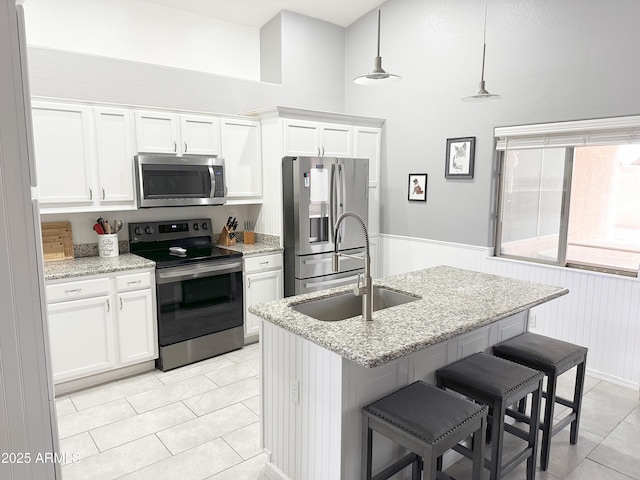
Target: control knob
[205, 226]
[196, 227]
[149, 230]
[137, 230]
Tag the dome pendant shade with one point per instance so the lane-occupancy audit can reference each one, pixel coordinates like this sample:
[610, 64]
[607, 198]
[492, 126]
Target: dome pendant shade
[482, 94]
[377, 76]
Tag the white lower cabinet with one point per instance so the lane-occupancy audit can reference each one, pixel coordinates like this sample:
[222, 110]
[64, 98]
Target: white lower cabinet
[101, 323]
[136, 337]
[262, 283]
[81, 338]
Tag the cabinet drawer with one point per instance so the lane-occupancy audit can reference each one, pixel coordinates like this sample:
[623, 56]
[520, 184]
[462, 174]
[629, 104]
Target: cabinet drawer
[263, 262]
[135, 281]
[60, 292]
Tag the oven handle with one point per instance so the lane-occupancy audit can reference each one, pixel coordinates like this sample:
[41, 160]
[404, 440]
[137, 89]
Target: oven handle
[177, 274]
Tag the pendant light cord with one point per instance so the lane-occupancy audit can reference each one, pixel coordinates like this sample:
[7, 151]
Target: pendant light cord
[378, 28]
[484, 39]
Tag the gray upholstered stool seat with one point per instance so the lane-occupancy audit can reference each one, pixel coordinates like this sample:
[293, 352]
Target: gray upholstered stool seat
[426, 420]
[498, 383]
[553, 357]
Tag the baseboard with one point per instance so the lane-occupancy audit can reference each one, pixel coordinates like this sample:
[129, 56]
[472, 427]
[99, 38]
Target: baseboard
[274, 473]
[82, 383]
[615, 380]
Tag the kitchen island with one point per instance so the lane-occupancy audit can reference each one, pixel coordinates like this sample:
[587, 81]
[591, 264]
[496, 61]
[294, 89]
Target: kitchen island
[316, 375]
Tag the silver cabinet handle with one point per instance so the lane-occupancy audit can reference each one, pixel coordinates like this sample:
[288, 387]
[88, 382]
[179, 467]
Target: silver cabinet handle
[318, 151]
[90, 194]
[120, 303]
[134, 282]
[248, 283]
[175, 146]
[185, 147]
[75, 290]
[264, 263]
[323, 151]
[103, 194]
[108, 306]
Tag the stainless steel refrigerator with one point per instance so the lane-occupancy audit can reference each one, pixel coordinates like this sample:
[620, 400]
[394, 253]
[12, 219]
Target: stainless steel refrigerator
[316, 190]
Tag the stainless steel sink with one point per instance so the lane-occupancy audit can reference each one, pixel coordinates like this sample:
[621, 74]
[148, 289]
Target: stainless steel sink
[347, 305]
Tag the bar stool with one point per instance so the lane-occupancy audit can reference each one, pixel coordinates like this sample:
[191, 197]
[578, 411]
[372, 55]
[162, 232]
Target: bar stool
[498, 383]
[426, 420]
[553, 357]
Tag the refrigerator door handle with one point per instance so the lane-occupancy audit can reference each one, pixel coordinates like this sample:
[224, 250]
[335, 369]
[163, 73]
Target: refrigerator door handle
[341, 195]
[332, 204]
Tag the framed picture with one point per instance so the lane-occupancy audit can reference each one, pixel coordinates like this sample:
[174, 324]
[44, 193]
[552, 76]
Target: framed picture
[418, 187]
[460, 155]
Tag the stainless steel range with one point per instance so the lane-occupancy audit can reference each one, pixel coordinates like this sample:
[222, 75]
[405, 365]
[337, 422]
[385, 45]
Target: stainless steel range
[199, 290]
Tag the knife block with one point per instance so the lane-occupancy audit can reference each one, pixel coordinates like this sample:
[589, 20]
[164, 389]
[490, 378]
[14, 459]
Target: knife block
[225, 237]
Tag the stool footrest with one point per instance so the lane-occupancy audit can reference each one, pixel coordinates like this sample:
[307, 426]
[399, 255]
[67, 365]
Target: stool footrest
[520, 417]
[515, 461]
[516, 431]
[564, 401]
[396, 467]
[560, 424]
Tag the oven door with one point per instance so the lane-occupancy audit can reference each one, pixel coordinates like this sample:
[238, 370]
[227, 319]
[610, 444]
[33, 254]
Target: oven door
[198, 299]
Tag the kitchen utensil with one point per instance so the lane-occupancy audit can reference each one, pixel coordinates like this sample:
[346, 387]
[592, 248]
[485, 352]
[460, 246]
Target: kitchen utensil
[98, 229]
[101, 222]
[107, 228]
[117, 225]
[229, 222]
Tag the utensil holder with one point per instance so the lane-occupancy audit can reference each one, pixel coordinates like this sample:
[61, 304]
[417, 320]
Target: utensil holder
[108, 245]
[249, 237]
[225, 237]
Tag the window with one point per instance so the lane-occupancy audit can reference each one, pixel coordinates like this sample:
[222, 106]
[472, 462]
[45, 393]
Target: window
[570, 194]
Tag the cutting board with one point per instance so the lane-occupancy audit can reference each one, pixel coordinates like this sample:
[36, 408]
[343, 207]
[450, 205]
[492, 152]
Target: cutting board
[57, 243]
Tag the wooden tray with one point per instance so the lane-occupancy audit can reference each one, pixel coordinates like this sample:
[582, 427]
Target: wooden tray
[57, 243]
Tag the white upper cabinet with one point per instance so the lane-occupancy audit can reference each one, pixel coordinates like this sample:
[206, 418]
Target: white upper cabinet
[163, 132]
[200, 135]
[114, 149]
[156, 132]
[336, 140]
[367, 145]
[63, 149]
[303, 138]
[241, 150]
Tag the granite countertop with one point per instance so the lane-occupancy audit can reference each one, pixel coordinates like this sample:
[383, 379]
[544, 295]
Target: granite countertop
[258, 248]
[83, 266]
[452, 302]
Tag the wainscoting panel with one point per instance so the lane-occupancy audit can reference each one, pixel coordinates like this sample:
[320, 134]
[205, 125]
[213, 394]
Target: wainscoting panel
[601, 312]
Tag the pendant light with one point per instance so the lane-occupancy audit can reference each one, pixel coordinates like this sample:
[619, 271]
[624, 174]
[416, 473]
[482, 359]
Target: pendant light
[377, 76]
[482, 92]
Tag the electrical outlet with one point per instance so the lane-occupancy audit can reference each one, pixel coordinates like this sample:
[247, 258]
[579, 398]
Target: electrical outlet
[294, 390]
[532, 320]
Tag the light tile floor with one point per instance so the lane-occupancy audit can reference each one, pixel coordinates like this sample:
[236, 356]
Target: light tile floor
[202, 422]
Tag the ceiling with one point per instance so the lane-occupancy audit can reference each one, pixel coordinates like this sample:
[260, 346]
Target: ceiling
[256, 13]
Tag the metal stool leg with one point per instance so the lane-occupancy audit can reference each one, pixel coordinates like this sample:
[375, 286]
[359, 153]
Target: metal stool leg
[577, 401]
[534, 426]
[367, 448]
[478, 451]
[547, 428]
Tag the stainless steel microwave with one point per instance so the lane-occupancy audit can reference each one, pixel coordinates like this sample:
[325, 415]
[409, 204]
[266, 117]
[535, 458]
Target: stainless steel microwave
[171, 181]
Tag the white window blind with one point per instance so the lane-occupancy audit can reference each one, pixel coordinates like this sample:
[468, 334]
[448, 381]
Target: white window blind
[606, 131]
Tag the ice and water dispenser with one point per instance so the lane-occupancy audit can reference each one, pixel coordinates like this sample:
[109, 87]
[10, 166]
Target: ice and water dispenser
[317, 180]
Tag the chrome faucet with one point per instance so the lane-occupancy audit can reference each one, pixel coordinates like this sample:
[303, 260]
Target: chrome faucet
[365, 289]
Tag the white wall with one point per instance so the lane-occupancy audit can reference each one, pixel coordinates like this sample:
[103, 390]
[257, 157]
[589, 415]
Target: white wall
[145, 32]
[601, 311]
[549, 60]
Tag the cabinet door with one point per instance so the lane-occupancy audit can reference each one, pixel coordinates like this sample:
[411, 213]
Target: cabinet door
[114, 148]
[336, 140]
[81, 338]
[260, 288]
[301, 138]
[156, 132]
[137, 337]
[63, 150]
[200, 135]
[367, 145]
[241, 150]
